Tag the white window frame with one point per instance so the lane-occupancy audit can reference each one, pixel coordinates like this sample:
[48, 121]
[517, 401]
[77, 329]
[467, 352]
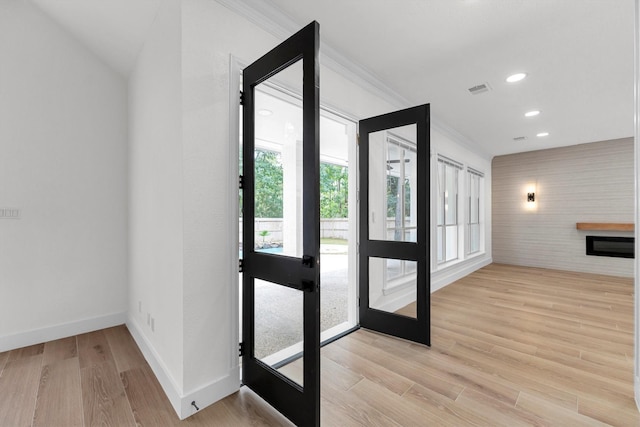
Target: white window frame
[441, 209]
[478, 202]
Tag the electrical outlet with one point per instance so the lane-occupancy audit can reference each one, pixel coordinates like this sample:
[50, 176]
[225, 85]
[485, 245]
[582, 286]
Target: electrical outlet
[153, 324]
[139, 306]
[149, 319]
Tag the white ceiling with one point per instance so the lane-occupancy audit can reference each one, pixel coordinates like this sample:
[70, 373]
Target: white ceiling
[113, 29]
[578, 53]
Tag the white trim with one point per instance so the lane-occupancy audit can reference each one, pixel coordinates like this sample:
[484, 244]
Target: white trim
[354, 203]
[282, 355]
[475, 171]
[400, 300]
[272, 20]
[210, 393]
[180, 401]
[636, 145]
[334, 331]
[636, 389]
[235, 67]
[297, 348]
[449, 161]
[63, 330]
[266, 16]
[442, 278]
[169, 385]
[399, 283]
[453, 134]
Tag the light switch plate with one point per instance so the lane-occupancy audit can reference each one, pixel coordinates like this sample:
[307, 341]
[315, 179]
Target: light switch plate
[9, 213]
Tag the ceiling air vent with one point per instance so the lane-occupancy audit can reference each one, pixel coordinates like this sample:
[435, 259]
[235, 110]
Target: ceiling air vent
[519, 138]
[478, 89]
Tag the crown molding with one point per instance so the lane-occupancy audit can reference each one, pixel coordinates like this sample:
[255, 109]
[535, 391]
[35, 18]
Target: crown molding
[267, 16]
[453, 134]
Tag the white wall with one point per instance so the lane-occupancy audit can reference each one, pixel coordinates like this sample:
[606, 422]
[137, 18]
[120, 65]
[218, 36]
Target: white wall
[210, 33]
[156, 201]
[63, 162]
[582, 183]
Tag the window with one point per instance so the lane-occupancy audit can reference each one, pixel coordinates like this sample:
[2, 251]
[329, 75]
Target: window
[447, 209]
[401, 221]
[401, 176]
[473, 221]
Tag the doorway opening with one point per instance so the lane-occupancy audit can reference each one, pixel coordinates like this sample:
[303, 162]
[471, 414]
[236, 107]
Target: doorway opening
[279, 310]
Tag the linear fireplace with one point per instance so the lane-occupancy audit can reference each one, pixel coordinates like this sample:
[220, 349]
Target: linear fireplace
[622, 247]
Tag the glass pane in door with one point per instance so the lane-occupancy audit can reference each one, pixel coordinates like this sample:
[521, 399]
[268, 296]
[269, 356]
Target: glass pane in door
[393, 285]
[393, 184]
[279, 324]
[278, 165]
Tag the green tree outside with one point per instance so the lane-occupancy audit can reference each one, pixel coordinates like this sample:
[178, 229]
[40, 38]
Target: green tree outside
[268, 189]
[334, 187]
[334, 191]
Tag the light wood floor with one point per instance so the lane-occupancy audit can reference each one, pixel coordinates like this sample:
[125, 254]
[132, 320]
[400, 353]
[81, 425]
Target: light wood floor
[511, 346]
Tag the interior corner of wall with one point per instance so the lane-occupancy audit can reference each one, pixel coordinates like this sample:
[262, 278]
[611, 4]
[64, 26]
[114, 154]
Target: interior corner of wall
[167, 382]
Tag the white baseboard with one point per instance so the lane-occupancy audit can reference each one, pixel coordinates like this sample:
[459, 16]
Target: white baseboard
[169, 385]
[55, 332]
[440, 279]
[636, 389]
[397, 301]
[210, 393]
[181, 401]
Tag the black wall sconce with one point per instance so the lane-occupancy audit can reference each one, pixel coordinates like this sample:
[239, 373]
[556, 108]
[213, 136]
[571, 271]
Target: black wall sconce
[531, 197]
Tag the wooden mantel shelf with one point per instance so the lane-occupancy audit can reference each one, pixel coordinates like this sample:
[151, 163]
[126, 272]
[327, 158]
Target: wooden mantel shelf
[608, 226]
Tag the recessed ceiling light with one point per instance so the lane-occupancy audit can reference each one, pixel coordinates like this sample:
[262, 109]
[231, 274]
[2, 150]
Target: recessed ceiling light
[265, 112]
[516, 77]
[542, 134]
[532, 113]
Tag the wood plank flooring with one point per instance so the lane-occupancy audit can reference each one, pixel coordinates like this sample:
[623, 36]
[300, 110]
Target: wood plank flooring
[511, 346]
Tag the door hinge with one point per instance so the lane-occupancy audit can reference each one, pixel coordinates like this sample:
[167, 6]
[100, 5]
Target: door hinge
[358, 301]
[241, 349]
[240, 266]
[241, 182]
[357, 139]
[307, 261]
[241, 98]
